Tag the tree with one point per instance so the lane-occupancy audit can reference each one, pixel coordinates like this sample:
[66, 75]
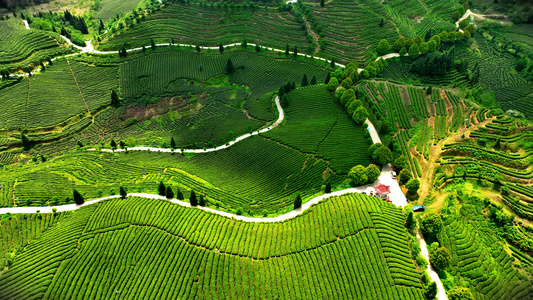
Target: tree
[403, 51]
[152, 44]
[304, 80]
[327, 79]
[123, 193]
[25, 141]
[372, 172]
[430, 224]
[413, 185]
[123, 52]
[192, 199]
[410, 221]
[424, 48]
[398, 44]
[332, 64]
[400, 163]
[327, 190]
[460, 293]
[405, 175]
[381, 22]
[347, 97]
[381, 154]
[313, 80]
[360, 115]
[429, 90]
[198, 49]
[431, 291]
[229, 67]
[295, 51]
[471, 29]
[172, 143]
[414, 51]
[244, 43]
[287, 50]
[180, 195]
[169, 193]
[333, 84]
[347, 83]
[221, 48]
[440, 258]
[298, 202]
[322, 3]
[78, 198]
[432, 46]
[201, 202]
[114, 99]
[161, 190]
[113, 144]
[257, 48]
[284, 101]
[383, 47]
[358, 175]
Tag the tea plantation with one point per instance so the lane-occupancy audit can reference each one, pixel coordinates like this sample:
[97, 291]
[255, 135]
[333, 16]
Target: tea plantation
[177, 149]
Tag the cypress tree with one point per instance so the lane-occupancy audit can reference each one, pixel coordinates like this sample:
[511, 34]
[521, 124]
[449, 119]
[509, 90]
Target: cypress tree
[244, 43]
[101, 27]
[201, 202]
[180, 195]
[293, 85]
[123, 52]
[172, 143]
[169, 193]
[221, 48]
[410, 222]
[287, 50]
[78, 198]
[328, 188]
[304, 80]
[281, 91]
[297, 202]
[328, 77]
[229, 67]
[257, 48]
[114, 98]
[161, 190]
[284, 101]
[122, 144]
[193, 200]
[322, 3]
[332, 64]
[152, 44]
[313, 80]
[113, 144]
[295, 51]
[123, 193]
[382, 22]
[172, 41]
[25, 141]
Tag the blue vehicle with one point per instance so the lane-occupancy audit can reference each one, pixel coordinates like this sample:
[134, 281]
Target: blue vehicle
[419, 208]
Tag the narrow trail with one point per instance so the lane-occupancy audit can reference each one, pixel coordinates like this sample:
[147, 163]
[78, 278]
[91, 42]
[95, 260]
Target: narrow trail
[441, 292]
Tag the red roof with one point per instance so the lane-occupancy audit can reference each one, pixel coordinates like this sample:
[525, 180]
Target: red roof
[383, 189]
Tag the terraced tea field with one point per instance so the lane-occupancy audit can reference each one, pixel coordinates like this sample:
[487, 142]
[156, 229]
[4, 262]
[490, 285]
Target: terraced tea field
[175, 252]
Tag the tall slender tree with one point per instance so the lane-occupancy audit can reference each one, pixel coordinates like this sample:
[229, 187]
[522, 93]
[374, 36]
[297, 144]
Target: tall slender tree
[169, 193]
[78, 198]
[192, 199]
[304, 80]
[161, 190]
[229, 66]
[201, 202]
[298, 202]
[172, 143]
[221, 48]
[123, 193]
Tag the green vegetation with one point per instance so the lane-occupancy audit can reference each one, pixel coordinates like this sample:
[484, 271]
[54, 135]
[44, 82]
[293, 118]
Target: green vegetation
[359, 240]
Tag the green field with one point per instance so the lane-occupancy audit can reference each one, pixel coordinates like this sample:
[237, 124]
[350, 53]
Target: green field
[110, 8]
[165, 251]
[20, 48]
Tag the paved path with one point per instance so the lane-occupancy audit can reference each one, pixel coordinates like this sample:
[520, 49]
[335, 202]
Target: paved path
[441, 293]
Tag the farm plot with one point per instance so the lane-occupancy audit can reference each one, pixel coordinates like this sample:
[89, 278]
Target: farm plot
[478, 255]
[183, 23]
[110, 8]
[317, 124]
[164, 258]
[20, 47]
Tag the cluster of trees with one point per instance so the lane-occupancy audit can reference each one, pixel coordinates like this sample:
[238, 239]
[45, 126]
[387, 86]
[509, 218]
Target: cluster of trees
[166, 191]
[360, 175]
[380, 154]
[418, 45]
[282, 93]
[437, 64]
[76, 22]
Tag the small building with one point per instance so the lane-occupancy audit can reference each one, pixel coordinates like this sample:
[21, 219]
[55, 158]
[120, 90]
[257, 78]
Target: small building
[382, 191]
